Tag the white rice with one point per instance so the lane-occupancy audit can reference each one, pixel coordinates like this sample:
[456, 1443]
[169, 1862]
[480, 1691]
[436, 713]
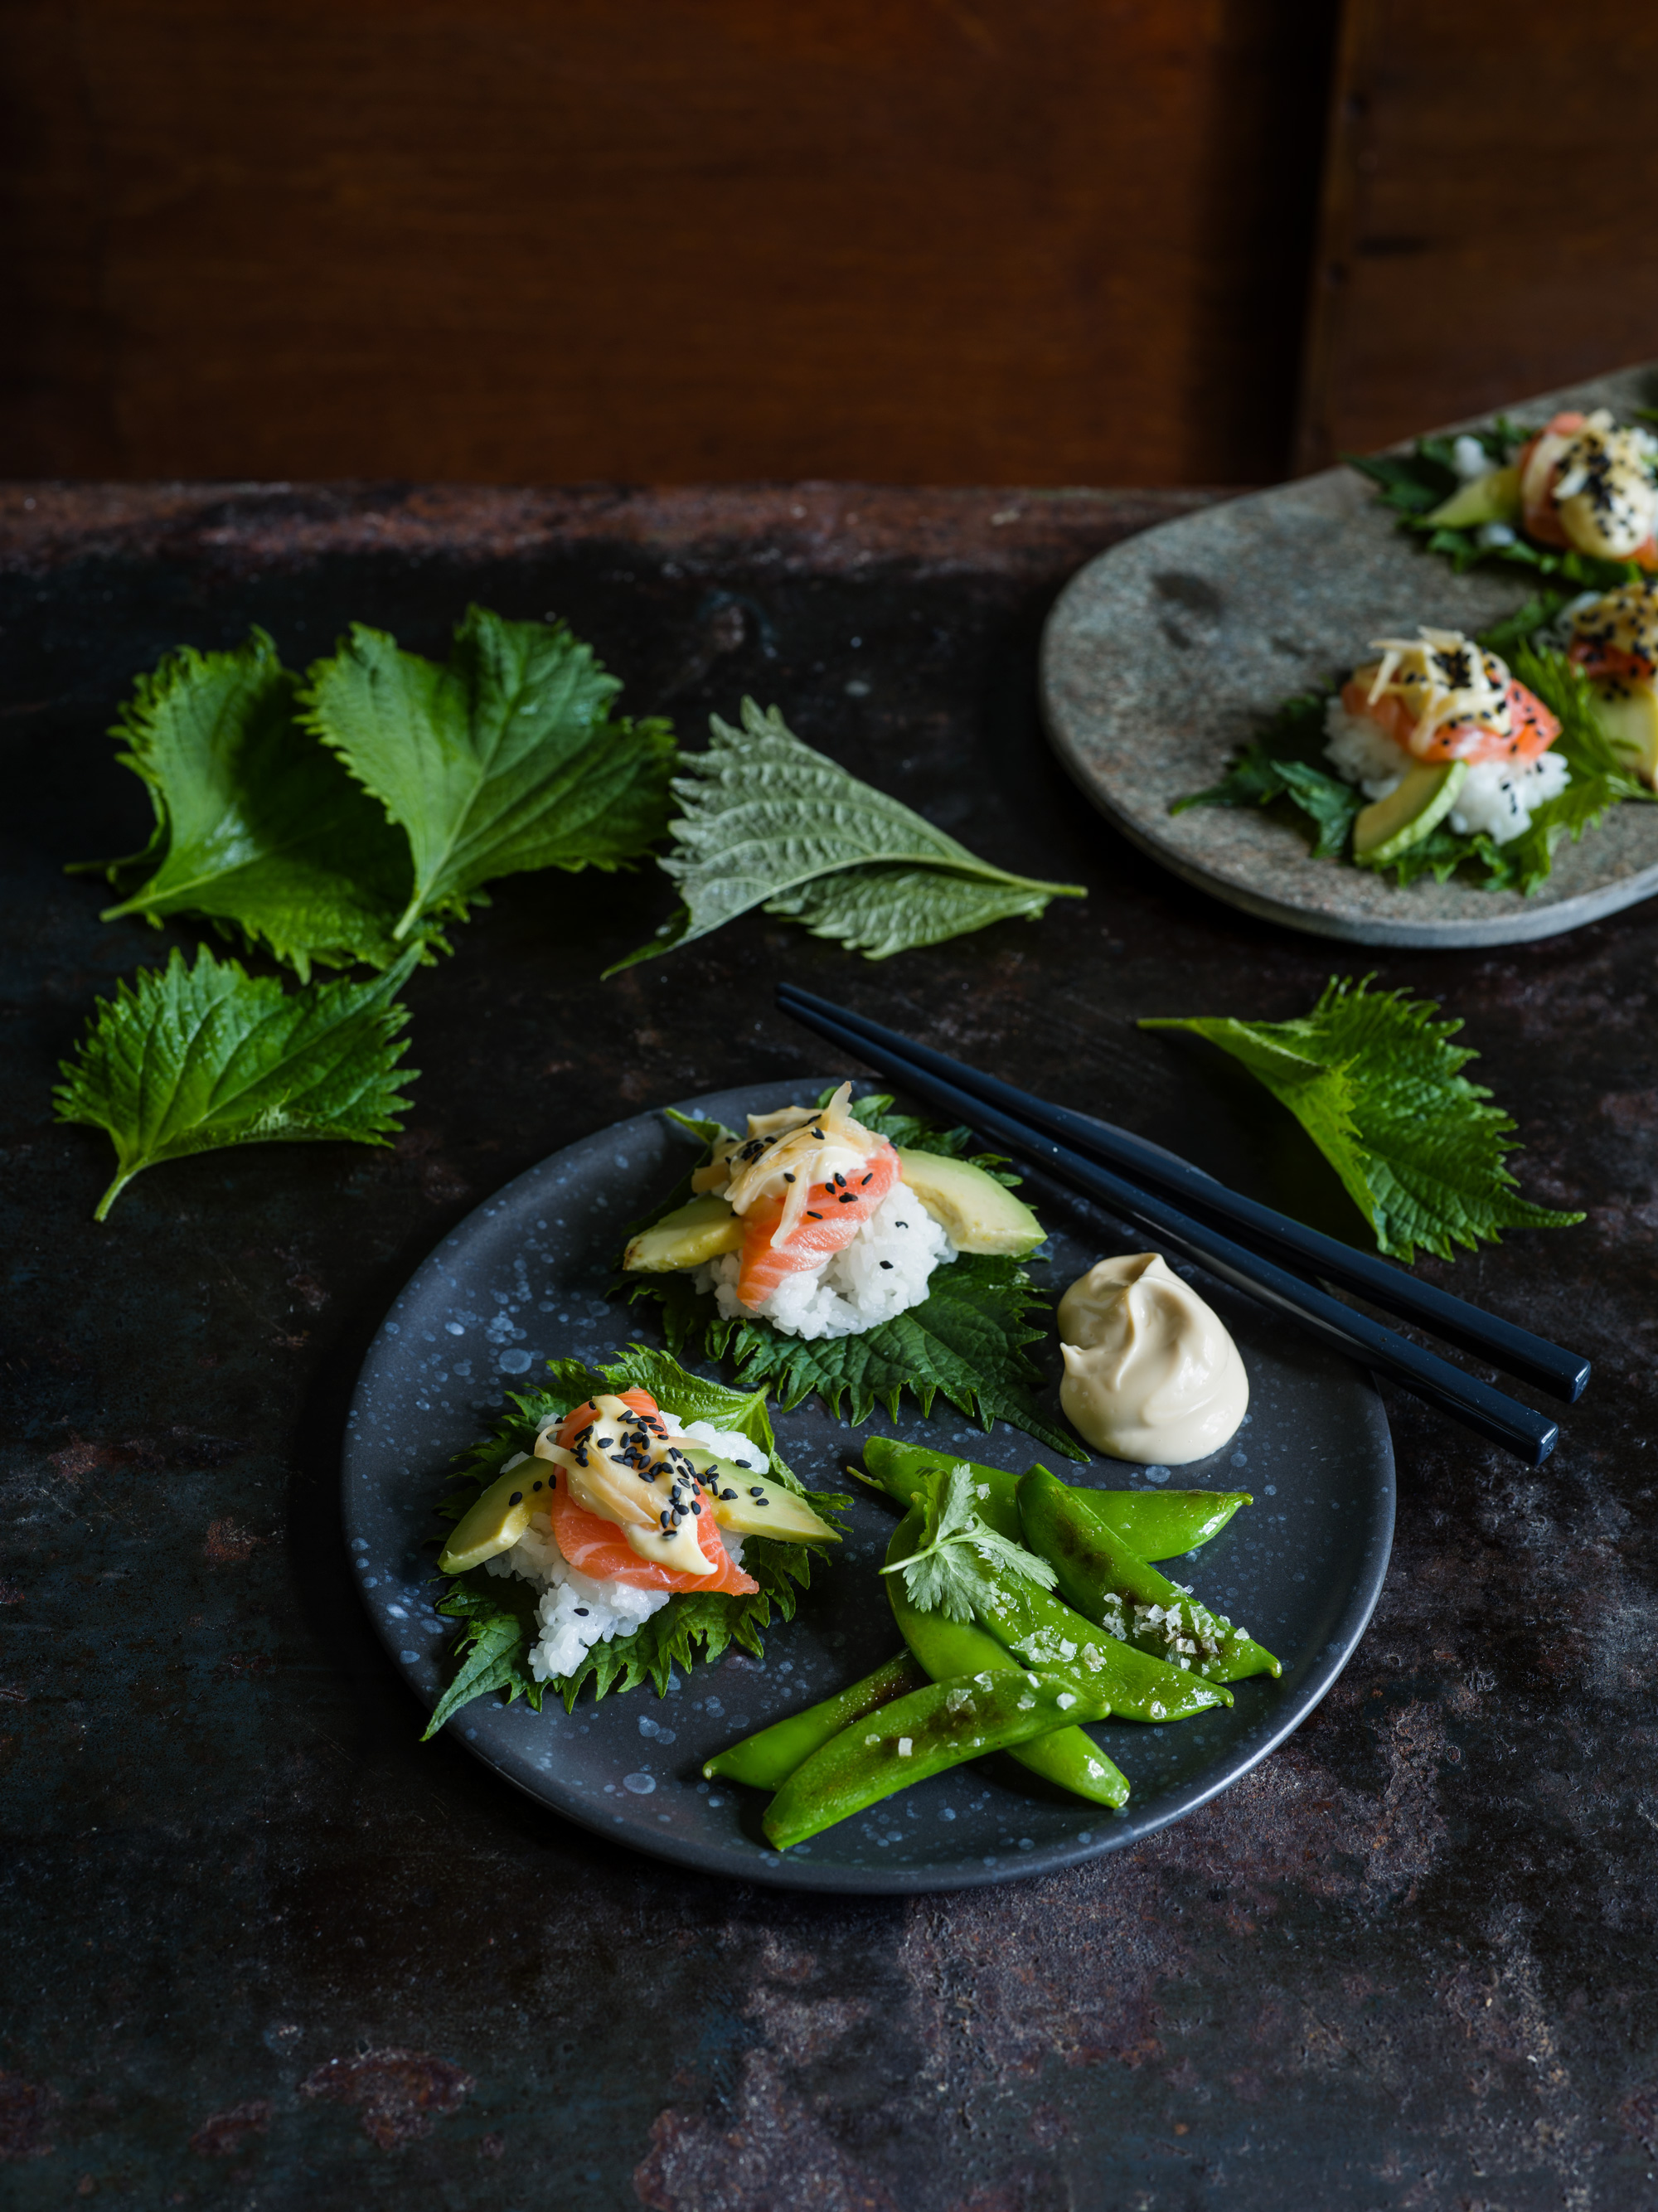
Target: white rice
[1497, 796]
[883, 1273]
[575, 1610]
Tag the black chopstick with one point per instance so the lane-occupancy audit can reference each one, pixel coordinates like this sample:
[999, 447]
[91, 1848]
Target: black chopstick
[1514, 1351]
[1529, 1436]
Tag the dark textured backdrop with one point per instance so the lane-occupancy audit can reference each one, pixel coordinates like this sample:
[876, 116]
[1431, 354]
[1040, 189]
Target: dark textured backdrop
[262, 1950]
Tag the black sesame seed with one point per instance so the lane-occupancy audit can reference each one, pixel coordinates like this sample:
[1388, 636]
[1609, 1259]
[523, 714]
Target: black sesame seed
[813, 1216]
[695, 1510]
[535, 1486]
[886, 1263]
[870, 1177]
[579, 1611]
[788, 1176]
[903, 1225]
[605, 1444]
[517, 1498]
[755, 1491]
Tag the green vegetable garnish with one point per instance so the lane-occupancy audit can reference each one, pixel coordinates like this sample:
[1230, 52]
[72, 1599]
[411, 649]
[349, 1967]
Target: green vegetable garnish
[951, 1570]
[498, 1611]
[257, 825]
[966, 1340]
[769, 823]
[1374, 1080]
[503, 759]
[190, 1060]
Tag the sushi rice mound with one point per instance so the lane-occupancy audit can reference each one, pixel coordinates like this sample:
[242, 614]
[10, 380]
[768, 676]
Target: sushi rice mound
[1495, 797]
[575, 1612]
[883, 1273]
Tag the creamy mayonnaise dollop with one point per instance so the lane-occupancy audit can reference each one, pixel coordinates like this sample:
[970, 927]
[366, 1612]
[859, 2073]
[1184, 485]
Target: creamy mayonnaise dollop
[1151, 1374]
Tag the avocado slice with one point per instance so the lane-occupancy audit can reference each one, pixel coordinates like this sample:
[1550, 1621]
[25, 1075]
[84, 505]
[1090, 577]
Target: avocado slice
[758, 1508]
[1629, 716]
[700, 1229]
[497, 1520]
[1406, 815]
[981, 1214]
[1494, 497]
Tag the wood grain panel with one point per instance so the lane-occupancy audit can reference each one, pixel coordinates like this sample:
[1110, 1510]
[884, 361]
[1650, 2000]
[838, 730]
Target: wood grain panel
[1487, 228]
[931, 240]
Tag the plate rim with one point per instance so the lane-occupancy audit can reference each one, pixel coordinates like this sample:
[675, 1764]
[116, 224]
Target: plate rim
[782, 1870]
[1526, 923]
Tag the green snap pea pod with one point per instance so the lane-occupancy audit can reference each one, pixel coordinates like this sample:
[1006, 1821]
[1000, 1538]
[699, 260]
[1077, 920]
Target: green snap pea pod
[766, 1759]
[1162, 1524]
[1109, 1583]
[1157, 1524]
[1069, 1758]
[944, 1725]
[1041, 1629]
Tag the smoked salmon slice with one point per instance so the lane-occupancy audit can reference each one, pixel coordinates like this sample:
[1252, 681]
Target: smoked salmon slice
[835, 1212]
[598, 1547]
[1534, 731]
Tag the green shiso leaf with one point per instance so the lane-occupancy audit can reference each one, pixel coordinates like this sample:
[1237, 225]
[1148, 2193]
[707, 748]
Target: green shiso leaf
[967, 1339]
[1374, 1080]
[504, 758]
[191, 1060]
[498, 1612]
[769, 823]
[258, 827]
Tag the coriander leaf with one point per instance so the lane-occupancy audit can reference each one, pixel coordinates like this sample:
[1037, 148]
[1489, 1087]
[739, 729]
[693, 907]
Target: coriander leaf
[883, 909]
[948, 1571]
[967, 1339]
[1283, 761]
[1374, 1080]
[190, 1060]
[505, 758]
[257, 825]
[764, 816]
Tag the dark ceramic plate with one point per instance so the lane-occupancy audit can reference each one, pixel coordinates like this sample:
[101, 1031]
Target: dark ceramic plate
[522, 1279]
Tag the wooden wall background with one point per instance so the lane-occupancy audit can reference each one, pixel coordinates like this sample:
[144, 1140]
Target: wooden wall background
[1035, 241]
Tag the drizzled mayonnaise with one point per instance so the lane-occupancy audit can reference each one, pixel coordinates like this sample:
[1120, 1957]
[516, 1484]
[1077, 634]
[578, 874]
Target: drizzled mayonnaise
[1151, 1374]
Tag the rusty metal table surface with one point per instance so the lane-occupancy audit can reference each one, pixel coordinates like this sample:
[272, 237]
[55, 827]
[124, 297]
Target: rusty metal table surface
[264, 1950]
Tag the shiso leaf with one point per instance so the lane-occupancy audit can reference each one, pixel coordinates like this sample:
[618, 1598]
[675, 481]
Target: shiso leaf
[882, 909]
[191, 1060]
[498, 1611]
[258, 827]
[504, 758]
[765, 818]
[1374, 1080]
[953, 1567]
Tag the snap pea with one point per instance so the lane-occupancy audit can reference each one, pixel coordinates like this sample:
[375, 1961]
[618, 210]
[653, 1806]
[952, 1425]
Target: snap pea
[1069, 1758]
[1155, 1524]
[944, 1724]
[1041, 1629]
[1109, 1583]
[766, 1759]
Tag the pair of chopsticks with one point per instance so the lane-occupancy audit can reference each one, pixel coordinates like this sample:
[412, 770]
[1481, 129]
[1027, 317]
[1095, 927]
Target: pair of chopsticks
[1263, 1253]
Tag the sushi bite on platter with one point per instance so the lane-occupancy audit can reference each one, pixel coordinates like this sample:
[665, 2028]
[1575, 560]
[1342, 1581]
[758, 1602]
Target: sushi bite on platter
[1475, 755]
[1438, 729]
[1576, 496]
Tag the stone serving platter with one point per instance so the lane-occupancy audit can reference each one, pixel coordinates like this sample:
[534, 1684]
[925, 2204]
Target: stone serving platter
[1168, 650]
[523, 1279]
